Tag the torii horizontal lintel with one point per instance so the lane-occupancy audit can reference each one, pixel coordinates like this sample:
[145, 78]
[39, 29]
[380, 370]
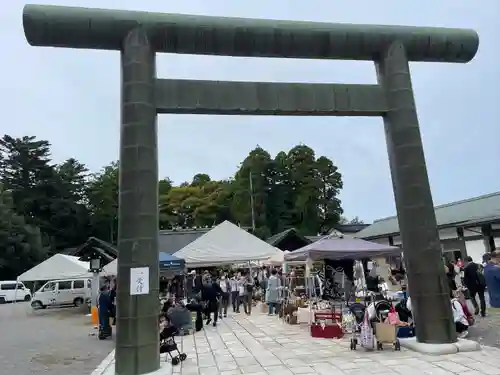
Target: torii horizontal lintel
[177, 96]
[71, 27]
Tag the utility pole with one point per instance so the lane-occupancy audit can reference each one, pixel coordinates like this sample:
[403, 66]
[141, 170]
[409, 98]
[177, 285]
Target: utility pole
[252, 203]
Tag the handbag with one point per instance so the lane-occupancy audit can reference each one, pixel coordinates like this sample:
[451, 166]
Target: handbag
[392, 317]
[366, 335]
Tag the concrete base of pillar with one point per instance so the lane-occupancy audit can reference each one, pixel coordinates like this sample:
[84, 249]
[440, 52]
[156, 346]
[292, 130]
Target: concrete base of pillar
[461, 345]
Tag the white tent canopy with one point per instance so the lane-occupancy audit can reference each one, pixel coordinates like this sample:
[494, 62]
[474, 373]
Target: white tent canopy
[59, 266]
[225, 244]
[277, 259]
[110, 269]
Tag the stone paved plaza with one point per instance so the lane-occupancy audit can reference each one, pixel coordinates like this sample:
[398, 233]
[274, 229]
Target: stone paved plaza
[263, 345]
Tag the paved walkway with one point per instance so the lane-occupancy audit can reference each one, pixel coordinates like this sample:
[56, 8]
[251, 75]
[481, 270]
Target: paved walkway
[263, 345]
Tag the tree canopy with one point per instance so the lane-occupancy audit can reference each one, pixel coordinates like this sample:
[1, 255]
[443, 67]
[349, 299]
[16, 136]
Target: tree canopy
[48, 207]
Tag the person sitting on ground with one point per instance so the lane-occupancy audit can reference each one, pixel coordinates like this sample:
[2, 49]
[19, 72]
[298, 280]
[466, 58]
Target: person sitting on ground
[180, 318]
[459, 316]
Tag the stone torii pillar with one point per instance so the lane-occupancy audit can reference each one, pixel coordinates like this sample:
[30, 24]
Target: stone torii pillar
[139, 35]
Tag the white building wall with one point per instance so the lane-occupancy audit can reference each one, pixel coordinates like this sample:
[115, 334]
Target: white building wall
[475, 248]
[497, 236]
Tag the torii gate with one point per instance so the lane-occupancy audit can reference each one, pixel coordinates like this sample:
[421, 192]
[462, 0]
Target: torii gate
[139, 35]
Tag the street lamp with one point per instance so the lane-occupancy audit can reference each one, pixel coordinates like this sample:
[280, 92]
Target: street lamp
[95, 264]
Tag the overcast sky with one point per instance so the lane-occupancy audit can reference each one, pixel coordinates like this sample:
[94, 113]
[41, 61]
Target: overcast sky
[71, 98]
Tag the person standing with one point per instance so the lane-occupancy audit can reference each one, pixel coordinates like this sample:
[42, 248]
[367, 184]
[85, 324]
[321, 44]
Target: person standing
[449, 269]
[492, 278]
[242, 291]
[190, 287]
[247, 287]
[104, 308]
[225, 290]
[112, 297]
[476, 284]
[235, 293]
[272, 292]
[212, 293]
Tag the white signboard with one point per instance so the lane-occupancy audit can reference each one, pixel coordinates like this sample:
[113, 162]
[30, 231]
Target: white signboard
[139, 281]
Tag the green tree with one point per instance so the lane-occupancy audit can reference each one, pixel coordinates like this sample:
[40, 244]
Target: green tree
[301, 163]
[25, 168]
[27, 173]
[70, 215]
[20, 243]
[102, 201]
[280, 196]
[330, 184]
[199, 205]
[177, 208]
[200, 179]
[257, 166]
[164, 186]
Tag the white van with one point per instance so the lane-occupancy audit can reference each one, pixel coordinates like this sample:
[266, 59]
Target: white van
[11, 291]
[62, 292]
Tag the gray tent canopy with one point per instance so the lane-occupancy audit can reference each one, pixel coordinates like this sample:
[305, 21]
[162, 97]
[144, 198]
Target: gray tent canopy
[336, 248]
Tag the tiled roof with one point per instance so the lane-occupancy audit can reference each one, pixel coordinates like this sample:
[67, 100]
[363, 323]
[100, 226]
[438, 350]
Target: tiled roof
[95, 244]
[473, 211]
[171, 241]
[275, 239]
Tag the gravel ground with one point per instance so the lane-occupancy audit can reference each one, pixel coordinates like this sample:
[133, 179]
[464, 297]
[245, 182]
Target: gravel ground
[486, 330]
[49, 342]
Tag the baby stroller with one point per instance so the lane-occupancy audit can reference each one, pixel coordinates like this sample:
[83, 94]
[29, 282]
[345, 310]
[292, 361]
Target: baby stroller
[357, 310]
[168, 345]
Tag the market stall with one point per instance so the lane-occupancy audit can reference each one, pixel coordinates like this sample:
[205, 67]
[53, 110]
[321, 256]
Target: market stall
[338, 248]
[59, 266]
[226, 244]
[276, 260]
[329, 275]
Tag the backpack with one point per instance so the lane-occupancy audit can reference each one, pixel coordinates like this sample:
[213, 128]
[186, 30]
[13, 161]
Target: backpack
[250, 287]
[481, 281]
[470, 318]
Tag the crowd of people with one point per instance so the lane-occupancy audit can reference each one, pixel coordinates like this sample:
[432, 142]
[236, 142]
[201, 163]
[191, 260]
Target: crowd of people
[220, 290]
[212, 293]
[468, 280]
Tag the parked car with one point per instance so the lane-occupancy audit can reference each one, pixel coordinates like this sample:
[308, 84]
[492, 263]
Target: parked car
[11, 291]
[62, 293]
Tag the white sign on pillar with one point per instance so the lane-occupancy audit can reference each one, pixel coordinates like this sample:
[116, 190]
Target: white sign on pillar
[139, 281]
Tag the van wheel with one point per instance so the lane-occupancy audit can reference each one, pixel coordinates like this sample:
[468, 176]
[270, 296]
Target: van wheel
[27, 298]
[78, 302]
[2, 300]
[37, 305]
